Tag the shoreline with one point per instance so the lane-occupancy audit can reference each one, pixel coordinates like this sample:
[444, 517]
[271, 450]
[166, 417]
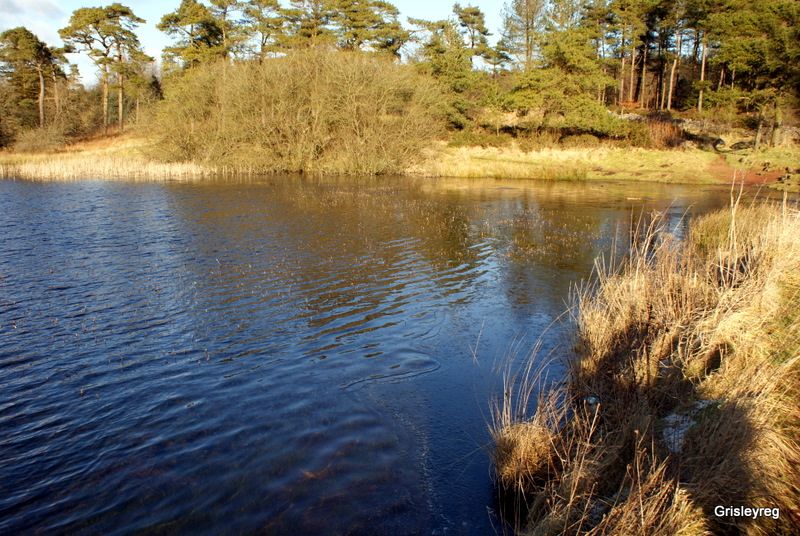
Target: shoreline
[682, 395]
[123, 157]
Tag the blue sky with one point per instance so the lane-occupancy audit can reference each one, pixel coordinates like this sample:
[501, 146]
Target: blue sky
[45, 17]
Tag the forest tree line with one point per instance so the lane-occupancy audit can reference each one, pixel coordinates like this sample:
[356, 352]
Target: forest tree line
[555, 64]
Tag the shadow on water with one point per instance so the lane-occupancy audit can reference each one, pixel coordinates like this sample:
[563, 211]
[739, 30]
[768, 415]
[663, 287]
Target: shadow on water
[303, 355]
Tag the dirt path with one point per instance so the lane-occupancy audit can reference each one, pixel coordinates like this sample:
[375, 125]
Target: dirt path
[720, 169]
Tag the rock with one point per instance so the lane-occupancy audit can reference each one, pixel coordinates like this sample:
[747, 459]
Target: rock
[742, 145]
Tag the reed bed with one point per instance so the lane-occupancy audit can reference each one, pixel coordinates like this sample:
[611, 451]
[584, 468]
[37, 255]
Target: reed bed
[683, 396]
[119, 157]
[80, 167]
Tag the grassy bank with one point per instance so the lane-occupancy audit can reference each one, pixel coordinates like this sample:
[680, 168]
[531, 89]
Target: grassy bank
[684, 394]
[129, 157]
[596, 163]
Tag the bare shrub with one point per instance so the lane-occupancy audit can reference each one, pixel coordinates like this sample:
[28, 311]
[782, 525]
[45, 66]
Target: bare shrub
[314, 111]
[40, 140]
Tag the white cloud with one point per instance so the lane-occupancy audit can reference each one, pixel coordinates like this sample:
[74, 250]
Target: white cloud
[40, 8]
[42, 17]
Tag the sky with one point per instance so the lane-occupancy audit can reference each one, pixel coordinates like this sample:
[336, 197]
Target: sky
[45, 17]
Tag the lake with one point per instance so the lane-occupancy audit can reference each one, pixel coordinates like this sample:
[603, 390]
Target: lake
[287, 356]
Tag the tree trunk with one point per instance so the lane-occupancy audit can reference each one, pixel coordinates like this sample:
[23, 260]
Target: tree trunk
[41, 96]
[643, 79]
[662, 74]
[672, 72]
[120, 89]
[528, 43]
[56, 94]
[759, 132]
[633, 73]
[137, 110]
[775, 138]
[120, 101]
[105, 99]
[622, 70]
[702, 75]
[721, 77]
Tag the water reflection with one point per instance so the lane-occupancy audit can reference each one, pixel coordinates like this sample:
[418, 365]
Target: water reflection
[295, 355]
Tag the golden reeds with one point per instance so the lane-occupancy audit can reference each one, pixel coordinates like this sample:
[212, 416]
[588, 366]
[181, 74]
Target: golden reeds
[683, 395]
[79, 167]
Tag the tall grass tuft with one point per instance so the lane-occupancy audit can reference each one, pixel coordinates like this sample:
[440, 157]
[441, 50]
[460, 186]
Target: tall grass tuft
[684, 394]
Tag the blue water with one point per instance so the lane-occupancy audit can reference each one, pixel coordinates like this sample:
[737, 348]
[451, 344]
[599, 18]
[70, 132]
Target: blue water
[284, 357]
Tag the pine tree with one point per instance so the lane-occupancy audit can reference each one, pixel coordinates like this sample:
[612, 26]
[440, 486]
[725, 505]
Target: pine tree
[473, 24]
[629, 15]
[107, 34]
[445, 56]
[265, 22]
[310, 21]
[21, 50]
[564, 88]
[368, 24]
[199, 35]
[521, 26]
[225, 12]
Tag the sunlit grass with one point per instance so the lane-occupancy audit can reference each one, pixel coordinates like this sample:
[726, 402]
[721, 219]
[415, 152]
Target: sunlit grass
[112, 158]
[704, 333]
[597, 163]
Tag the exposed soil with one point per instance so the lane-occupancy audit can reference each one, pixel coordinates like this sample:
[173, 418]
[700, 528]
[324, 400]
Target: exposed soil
[725, 172]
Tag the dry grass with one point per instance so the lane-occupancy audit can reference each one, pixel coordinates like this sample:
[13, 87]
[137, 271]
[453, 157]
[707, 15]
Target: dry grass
[599, 163]
[768, 158]
[683, 395]
[111, 158]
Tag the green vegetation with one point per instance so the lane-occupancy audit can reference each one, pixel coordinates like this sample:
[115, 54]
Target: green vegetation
[561, 73]
[107, 35]
[683, 394]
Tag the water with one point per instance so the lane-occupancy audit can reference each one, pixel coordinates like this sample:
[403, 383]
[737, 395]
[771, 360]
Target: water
[292, 356]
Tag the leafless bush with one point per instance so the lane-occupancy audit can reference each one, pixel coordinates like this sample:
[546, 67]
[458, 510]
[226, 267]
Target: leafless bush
[314, 112]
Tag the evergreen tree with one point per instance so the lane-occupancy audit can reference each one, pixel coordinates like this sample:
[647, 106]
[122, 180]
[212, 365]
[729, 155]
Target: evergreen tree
[107, 34]
[389, 36]
[310, 21]
[22, 51]
[521, 26]
[225, 12]
[369, 24]
[566, 87]
[199, 35]
[498, 56]
[629, 15]
[473, 24]
[445, 56]
[265, 22]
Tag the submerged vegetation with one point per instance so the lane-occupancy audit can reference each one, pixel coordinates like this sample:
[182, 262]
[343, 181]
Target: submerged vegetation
[683, 395]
